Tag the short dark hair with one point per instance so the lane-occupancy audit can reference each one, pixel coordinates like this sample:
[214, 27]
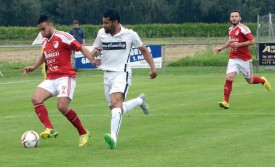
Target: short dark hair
[75, 22]
[235, 10]
[112, 15]
[43, 18]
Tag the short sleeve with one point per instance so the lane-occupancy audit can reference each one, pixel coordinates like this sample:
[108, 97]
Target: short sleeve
[245, 30]
[75, 45]
[136, 40]
[97, 43]
[249, 36]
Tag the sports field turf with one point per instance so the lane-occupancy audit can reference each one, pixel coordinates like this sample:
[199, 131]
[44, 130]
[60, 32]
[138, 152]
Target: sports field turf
[185, 126]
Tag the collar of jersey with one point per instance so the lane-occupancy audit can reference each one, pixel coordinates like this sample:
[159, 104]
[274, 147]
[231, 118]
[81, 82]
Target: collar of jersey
[233, 28]
[48, 40]
[122, 29]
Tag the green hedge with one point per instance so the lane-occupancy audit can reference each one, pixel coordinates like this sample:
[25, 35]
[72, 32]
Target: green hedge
[209, 58]
[145, 30]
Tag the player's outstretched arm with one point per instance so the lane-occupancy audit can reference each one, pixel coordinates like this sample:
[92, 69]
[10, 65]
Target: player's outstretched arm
[91, 55]
[147, 56]
[33, 67]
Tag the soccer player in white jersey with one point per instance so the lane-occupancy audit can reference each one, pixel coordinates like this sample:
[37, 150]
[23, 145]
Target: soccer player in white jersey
[114, 43]
[61, 78]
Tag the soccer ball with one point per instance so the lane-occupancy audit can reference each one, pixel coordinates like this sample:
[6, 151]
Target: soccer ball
[30, 139]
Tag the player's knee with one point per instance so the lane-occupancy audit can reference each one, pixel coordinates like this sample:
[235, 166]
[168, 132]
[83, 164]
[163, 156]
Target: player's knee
[250, 81]
[115, 105]
[62, 108]
[36, 100]
[229, 78]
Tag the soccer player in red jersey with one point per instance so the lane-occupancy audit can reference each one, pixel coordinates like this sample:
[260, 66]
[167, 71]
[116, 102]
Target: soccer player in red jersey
[240, 59]
[61, 77]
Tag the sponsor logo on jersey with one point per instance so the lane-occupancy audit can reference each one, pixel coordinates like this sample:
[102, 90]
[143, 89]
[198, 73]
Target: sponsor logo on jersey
[234, 39]
[51, 54]
[52, 67]
[114, 45]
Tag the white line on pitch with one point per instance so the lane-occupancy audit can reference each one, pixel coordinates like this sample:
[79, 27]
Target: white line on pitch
[15, 82]
[151, 115]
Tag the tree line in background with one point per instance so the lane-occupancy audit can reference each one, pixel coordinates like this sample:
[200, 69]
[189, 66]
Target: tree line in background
[63, 12]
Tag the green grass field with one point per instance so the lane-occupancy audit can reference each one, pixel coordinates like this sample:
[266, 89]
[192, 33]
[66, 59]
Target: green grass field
[185, 126]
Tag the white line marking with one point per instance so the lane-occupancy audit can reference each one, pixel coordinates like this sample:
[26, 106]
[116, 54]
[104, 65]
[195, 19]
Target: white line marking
[141, 115]
[15, 82]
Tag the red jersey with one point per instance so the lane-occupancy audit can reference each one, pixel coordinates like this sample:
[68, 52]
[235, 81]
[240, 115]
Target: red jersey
[240, 33]
[57, 51]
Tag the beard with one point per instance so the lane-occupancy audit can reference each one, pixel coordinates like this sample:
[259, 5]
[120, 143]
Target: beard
[109, 30]
[235, 23]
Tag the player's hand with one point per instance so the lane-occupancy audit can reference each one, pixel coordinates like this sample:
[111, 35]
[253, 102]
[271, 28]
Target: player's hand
[153, 74]
[218, 50]
[27, 69]
[236, 44]
[96, 62]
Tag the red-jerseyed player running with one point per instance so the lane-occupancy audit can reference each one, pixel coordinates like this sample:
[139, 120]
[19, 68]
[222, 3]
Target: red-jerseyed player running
[240, 59]
[60, 82]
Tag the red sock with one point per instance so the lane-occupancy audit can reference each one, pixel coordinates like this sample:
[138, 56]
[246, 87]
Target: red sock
[257, 80]
[73, 118]
[42, 114]
[227, 90]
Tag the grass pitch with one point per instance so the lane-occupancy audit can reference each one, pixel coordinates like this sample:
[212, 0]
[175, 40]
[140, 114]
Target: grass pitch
[185, 126]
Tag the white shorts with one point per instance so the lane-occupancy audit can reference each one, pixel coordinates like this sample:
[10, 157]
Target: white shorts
[60, 87]
[238, 65]
[116, 82]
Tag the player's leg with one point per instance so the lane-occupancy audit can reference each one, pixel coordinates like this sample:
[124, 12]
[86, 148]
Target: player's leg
[116, 85]
[131, 104]
[246, 69]
[70, 114]
[116, 111]
[44, 91]
[139, 101]
[108, 80]
[231, 72]
[66, 87]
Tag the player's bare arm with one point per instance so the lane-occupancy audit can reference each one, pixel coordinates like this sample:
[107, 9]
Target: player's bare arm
[147, 56]
[246, 43]
[87, 54]
[95, 52]
[33, 67]
[226, 45]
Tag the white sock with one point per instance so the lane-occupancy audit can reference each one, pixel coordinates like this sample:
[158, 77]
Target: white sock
[131, 104]
[115, 122]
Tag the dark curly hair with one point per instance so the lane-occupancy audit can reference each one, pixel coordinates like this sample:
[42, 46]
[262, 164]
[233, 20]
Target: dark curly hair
[112, 15]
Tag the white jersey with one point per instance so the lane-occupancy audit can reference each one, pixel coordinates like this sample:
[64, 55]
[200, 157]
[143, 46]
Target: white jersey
[116, 49]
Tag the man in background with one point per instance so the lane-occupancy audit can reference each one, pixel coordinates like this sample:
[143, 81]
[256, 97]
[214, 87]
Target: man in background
[78, 34]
